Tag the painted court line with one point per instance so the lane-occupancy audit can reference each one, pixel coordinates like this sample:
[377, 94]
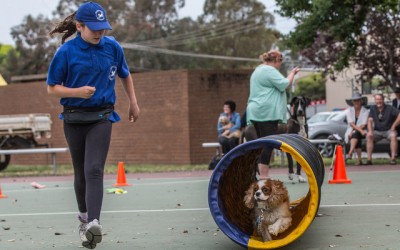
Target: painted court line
[178, 210]
[133, 185]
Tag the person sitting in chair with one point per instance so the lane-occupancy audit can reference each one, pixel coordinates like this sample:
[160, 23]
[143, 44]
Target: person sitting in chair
[382, 122]
[228, 142]
[357, 117]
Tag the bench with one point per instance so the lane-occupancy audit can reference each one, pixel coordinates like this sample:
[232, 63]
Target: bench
[314, 141]
[52, 151]
[212, 145]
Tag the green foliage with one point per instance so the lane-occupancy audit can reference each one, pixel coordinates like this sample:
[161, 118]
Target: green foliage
[312, 86]
[333, 34]
[227, 28]
[4, 48]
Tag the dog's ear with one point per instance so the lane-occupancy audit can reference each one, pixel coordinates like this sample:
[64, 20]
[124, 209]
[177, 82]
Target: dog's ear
[279, 193]
[308, 101]
[249, 200]
[293, 101]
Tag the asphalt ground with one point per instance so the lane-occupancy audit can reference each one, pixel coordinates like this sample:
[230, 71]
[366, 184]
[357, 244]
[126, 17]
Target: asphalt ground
[170, 211]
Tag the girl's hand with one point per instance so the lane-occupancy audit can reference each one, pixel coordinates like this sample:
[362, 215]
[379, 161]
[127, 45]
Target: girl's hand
[86, 92]
[134, 112]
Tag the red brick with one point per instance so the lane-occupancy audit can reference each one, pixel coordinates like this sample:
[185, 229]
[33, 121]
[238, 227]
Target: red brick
[179, 111]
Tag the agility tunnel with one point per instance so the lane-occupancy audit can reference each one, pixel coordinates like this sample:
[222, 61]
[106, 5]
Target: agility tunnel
[237, 170]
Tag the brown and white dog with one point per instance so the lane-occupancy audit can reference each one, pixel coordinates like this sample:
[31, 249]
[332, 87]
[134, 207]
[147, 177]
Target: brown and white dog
[225, 121]
[269, 201]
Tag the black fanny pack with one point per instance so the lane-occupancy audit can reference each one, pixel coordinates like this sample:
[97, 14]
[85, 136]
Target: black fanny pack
[87, 114]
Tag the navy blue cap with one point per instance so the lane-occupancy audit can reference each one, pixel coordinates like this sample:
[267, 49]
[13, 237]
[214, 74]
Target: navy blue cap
[93, 16]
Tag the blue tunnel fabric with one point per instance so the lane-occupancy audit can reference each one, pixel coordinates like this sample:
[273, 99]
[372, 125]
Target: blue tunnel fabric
[214, 201]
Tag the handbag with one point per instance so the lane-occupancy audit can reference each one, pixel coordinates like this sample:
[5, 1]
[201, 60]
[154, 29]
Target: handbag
[83, 115]
[214, 162]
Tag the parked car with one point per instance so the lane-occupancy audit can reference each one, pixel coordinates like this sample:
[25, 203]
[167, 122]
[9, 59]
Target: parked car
[325, 125]
[321, 117]
[336, 123]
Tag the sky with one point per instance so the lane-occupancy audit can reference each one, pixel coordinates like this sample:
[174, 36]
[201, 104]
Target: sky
[12, 13]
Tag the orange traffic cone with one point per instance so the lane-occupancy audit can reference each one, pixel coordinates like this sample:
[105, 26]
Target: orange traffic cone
[1, 194]
[121, 179]
[339, 172]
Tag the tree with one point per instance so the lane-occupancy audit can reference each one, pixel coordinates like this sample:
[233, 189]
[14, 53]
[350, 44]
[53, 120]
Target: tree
[228, 28]
[238, 28]
[149, 23]
[34, 49]
[333, 34]
[312, 86]
[379, 48]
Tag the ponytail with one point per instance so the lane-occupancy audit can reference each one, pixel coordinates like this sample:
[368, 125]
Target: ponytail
[66, 27]
[271, 56]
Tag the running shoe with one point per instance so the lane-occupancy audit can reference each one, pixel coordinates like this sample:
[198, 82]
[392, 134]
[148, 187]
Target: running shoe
[93, 234]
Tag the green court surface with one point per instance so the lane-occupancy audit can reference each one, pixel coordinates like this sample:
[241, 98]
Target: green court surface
[171, 212]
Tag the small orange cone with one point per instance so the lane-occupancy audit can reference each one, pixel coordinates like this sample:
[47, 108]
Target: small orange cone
[121, 179]
[1, 194]
[339, 172]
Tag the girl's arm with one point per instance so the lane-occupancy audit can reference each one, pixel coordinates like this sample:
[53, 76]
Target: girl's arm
[134, 110]
[63, 92]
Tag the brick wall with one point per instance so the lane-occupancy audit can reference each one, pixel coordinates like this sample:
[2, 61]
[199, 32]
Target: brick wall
[179, 111]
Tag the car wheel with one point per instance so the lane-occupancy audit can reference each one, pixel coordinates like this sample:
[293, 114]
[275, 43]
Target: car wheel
[325, 149]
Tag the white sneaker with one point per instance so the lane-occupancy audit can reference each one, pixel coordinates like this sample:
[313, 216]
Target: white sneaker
[93, 234]
[290, 176]
[82, 228]
[301, 178]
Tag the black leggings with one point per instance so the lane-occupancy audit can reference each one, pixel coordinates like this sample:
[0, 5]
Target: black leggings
[265, 129]
[227, 143]
[357, 135]
[88, 145]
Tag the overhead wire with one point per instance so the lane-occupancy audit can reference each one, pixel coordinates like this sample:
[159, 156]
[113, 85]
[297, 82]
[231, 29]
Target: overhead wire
[181, 53]
[224, 30]
[205, 37]
[203, 32]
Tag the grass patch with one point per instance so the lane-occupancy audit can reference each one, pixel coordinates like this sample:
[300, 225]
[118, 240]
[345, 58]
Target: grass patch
[277, 162]
[47, 170]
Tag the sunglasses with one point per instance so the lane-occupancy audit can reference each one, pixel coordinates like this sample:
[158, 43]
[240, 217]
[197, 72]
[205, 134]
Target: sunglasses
[380, 116]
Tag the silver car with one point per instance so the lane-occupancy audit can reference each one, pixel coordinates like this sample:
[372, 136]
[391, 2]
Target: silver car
[326, 124]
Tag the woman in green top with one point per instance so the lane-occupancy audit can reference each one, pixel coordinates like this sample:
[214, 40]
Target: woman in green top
[267, 102]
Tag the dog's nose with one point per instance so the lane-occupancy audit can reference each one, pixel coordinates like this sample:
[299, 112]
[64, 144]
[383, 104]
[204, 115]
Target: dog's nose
[258, 193]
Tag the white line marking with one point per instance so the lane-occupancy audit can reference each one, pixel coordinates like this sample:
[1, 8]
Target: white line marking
[178, 210]
[111, 212]
[109, 182]
[361, 205]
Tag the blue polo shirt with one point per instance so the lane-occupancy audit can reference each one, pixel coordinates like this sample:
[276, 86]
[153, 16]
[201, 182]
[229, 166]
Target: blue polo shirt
[78, 63]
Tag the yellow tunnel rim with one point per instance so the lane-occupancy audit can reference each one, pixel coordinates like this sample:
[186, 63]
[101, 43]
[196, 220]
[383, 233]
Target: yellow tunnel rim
[312, 209]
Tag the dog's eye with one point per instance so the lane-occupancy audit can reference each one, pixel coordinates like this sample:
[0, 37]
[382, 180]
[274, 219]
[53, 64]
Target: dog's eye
[266, 190]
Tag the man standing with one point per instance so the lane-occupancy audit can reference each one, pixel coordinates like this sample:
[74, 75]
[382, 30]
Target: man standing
[396, 104]
[382, 122]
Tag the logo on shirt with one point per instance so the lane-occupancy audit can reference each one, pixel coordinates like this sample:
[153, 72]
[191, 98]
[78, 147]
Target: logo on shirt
[99, 15]
[113, 71]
